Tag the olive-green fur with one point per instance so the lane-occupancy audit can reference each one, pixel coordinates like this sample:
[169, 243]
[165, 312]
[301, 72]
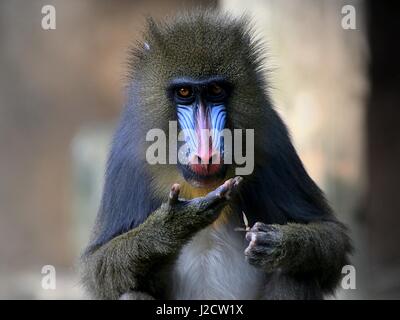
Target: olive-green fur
[127, 262]
[303, 260]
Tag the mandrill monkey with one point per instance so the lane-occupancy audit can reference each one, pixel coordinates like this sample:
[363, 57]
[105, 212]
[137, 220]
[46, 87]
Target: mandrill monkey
[169, 231]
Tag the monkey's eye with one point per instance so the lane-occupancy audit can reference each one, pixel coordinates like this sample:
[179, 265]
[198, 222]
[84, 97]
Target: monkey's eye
[184, 92]
[215, 90]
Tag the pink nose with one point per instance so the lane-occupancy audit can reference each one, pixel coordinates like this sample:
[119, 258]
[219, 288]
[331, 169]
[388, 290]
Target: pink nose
[205, 160]
[205, 163]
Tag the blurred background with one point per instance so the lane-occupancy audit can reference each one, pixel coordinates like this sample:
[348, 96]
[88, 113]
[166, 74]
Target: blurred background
[61, 92]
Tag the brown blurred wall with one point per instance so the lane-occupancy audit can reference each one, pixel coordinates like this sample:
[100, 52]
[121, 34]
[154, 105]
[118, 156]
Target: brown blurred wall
[383, 157]
[52, 82]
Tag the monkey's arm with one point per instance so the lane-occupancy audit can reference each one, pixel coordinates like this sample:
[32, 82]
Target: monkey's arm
[120, 265]
[315, 252]
[125, 263]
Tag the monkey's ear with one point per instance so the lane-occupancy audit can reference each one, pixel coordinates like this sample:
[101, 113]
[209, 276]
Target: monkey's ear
[137, 51]
[153, 28]
[151, 24]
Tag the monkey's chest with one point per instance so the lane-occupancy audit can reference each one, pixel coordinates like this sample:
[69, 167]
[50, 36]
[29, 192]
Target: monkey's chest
[213, 266]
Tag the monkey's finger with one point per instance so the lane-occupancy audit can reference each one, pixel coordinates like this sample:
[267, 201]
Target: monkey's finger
[259, 226]
[217, 197]
[234, 186]
[259, 251]
[221, 191]
[225, 190]
[259, 257]
[254, 261]
[174, 194]
[260, 246]
[271, 238]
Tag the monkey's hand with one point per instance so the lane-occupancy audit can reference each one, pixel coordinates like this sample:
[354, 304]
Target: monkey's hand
[185, 217]
[266, 247]
[127, 262]
[316, 251]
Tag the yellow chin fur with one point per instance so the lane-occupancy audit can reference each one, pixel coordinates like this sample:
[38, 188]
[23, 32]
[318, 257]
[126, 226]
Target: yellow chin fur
[190, 192]
[187, 191]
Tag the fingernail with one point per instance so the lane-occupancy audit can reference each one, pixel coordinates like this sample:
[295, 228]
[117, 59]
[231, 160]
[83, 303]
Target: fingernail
[248, 236]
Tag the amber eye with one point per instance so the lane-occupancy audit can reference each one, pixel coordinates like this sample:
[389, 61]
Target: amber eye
[215, 90]
[184, 92]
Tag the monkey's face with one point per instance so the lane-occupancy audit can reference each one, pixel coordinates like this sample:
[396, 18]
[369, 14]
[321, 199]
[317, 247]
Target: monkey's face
[201, 109]
[203, 72]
